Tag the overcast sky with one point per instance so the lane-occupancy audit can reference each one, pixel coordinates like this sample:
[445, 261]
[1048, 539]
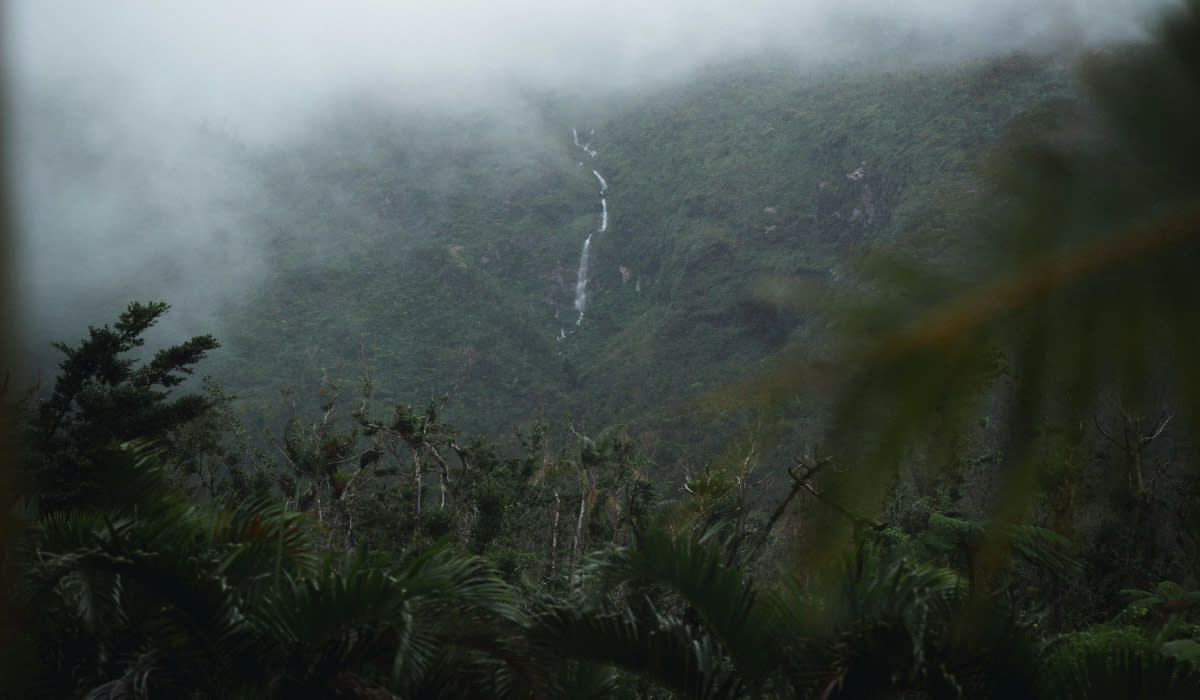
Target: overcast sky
[248, 63]
[147, 73]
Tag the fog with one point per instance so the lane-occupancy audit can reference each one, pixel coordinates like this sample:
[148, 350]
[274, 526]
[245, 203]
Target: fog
[130, 118]
[254, 64]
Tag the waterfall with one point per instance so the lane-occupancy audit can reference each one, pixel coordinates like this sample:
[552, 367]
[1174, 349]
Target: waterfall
[581, 282]
[585, 256]
[587, 147]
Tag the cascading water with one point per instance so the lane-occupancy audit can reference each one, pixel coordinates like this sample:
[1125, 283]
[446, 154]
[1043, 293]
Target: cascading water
[581, 283]
[587, 147]
[585, 256]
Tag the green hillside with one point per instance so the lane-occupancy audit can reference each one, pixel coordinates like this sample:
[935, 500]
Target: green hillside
[448, 249]
[772, 383]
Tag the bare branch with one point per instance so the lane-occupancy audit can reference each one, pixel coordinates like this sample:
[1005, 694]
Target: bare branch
[1166, 420]
[803, 481]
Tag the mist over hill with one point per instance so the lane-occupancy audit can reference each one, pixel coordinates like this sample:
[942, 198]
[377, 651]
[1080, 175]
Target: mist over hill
[529, 349]
[408, 185]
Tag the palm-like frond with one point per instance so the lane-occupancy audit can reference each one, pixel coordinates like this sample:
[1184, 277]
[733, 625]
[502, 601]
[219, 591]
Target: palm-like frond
[1167, 597]
[144, 580]
[712, 638]
[883, 613]
[1119, 666]
[260, 540]
[722, 596]
[233, 600]
[142, 603]
[887, 624]
[1038, 546]
[663, 649]
[392, 623]
[883, 625]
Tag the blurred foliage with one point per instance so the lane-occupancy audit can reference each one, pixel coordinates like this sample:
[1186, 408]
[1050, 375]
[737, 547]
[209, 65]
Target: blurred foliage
[1070, 289]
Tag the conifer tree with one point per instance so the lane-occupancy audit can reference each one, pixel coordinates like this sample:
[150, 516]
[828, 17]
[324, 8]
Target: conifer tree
[103, 397]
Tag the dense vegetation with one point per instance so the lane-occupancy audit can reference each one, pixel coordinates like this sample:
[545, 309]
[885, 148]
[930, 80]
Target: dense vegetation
[886, 390]
[450, 251]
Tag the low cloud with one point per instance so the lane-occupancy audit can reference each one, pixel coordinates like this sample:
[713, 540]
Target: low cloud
[252, 64]
[128, 115]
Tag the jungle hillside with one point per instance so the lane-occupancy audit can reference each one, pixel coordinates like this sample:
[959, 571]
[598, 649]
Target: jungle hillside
[856, 378]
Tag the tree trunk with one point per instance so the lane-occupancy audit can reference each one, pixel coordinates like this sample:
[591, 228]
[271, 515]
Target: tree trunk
[554, 540]
[575, 543]
[416, 492]
[444, 476]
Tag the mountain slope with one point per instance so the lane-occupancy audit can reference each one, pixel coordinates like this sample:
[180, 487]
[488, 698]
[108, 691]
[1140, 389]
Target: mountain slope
[449, 249]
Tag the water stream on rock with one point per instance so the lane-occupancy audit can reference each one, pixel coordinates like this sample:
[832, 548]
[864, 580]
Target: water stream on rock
[581, 282]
